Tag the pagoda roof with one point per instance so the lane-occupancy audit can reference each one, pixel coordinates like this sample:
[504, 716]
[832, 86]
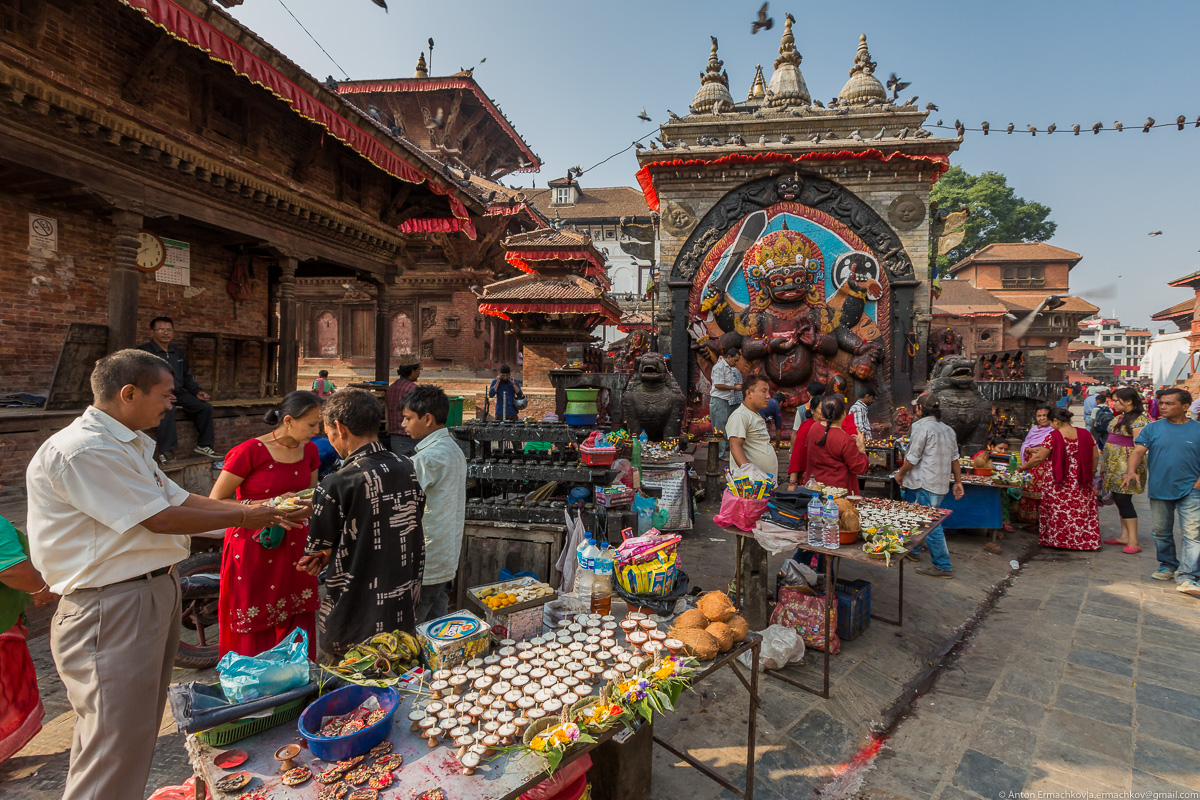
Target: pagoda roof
[1025, 304]
[541, 294]
[1004, 252]
[459, 82]
[961, 299]
[1192, 279]
[554, 244]
[1186, 308]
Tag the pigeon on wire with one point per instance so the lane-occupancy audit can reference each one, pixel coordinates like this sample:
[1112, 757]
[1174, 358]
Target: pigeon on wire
[1075, 129]
[896, 86]
[1051, 128]
[1148, 124]
[644, 117]
[1032, 130]
[959, 128]
[1097, 127]
[639, 146]
[1180, 121]
[1118, 126]
[1010, 127]
[985, 128]
[762, 22]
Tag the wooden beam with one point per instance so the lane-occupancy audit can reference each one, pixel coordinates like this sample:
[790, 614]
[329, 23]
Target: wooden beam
[403, 190]
[451, 118]
[306, 160]
[148, 74]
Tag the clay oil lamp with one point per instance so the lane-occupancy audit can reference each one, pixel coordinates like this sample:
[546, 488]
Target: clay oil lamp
[507, 732]
[286, 756]
[647, 625]
[561, 673]
[532, 688]
[653, 649]
[482, 684]
[604, 656]
[535, 713]
[524, 668]
[508, 642]
[520, 681]
[624, 669]
[457, 682]
[433, 707]
[501, 688]
[414, 717]
[474, 674]
[492, 727]
[525, 703]
[492, 670]
[439, 688]
[427, 722]
[462, 739]
[638, 640]
[584, 690]
[490, 743]
[521, 724]
[674, 646]
[635, 615]
[523, 647]
[441, 675]
[569, 699]
[512, 697]
[595, 671]
[432, 735]
[607, 618]
[553, 706]
[570, 682]
[471, 697]
[490, 660]
[610, 675]
[469, 761]
[575, 627]
[527, 655]
[537, 673]
[543, 697]
[509, 662]
[579, 638]
[475, 663]
[629, 625]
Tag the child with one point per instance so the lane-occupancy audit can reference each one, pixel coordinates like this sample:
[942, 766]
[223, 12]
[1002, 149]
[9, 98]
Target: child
[442, 472]
[323, 387]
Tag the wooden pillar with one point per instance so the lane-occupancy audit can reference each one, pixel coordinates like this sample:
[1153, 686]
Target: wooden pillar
[383, 333]
[123, 278]
[288, 353]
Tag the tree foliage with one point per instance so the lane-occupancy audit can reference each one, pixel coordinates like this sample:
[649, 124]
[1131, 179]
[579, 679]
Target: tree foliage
[997, 213]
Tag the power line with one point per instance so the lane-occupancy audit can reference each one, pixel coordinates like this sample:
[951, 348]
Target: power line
[619, 152]
[1082, 129]
[318, 44]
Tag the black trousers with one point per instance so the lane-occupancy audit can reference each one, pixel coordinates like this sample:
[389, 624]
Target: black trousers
[1124, 504]
[202, 416]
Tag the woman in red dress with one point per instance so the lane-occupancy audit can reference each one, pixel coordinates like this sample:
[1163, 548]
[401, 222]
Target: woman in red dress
[1069, 516]
[835, 457]
[263, 596]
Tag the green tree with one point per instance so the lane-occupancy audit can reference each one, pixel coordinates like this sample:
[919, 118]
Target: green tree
[997, 213]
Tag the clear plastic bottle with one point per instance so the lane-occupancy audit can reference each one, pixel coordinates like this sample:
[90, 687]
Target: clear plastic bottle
[586, 569]
[832, 528]
[815, 521]
[602, 581]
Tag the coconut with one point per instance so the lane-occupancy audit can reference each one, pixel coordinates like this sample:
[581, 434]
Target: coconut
[724, 636]
[848, 515]
[692, 618]
[716, 606]
[739, 626]
[698, 643]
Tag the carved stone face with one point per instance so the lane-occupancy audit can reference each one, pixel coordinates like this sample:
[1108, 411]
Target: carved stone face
[786, 283]
[652, 368]
[788, 187]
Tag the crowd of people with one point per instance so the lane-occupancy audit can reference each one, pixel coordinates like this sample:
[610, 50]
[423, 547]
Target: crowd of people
[107, 527]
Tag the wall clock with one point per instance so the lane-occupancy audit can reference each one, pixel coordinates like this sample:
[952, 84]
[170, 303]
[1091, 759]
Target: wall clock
[152, 253]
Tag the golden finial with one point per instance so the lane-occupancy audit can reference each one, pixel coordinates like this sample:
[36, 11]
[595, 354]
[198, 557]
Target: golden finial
[422, 70]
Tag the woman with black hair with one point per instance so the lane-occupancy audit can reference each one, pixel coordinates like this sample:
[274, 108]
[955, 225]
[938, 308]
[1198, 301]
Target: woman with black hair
[835, 458]
[1068, 509]
[1114, 462]
[263, 597]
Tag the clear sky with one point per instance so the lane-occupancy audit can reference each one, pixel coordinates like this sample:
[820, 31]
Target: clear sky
[572, 76]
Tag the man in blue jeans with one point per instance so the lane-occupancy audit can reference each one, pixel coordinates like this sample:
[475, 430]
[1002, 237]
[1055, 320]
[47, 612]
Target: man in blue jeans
[1173, 484]
[929, 465]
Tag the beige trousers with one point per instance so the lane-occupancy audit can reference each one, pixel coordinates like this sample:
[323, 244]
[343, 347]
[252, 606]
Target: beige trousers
[114, 649]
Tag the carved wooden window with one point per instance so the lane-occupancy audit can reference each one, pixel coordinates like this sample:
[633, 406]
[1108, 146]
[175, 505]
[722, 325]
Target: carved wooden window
[1025, 276]
[225, 112]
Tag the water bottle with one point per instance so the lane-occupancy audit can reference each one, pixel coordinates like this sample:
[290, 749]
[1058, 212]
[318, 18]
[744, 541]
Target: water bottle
[602, 582]
[832, 529]
[586, 555]
[815, 521]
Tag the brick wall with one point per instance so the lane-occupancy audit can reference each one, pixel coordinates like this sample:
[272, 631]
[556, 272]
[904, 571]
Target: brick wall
[539, 360]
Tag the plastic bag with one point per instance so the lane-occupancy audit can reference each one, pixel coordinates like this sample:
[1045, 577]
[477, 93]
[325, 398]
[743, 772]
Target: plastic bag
[776, 539]
[793, 573]
[739, 512]
[645, 508]
[283, 667]
[780, 646]
[662, 606]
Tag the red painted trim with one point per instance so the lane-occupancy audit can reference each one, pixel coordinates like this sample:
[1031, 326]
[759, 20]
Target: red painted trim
[200, 34]
[644, 179]
[436, 84]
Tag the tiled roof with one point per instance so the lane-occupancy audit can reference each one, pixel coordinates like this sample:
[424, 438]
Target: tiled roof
[549, 238]
[537, 287]
[1187, 307]
[1078, 345]
[611, 202]
[1190, 278]
[1017, 251]
[961, 299]
[1073, 305]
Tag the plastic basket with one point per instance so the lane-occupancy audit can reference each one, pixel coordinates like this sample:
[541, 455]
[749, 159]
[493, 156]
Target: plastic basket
[344, 701]
[597, 456]
[232, 732]
[853, 608]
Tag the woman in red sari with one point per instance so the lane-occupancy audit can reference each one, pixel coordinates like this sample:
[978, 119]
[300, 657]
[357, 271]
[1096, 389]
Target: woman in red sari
[798, 462]
[835, 457]
[1069, 516]
[263, 596]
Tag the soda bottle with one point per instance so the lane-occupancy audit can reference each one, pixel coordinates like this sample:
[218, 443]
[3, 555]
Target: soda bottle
[602, 582]
[815, 521]
[636, 460]
[832, 527]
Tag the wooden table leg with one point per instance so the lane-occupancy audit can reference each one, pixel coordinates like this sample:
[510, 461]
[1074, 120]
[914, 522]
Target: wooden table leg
[752, 569]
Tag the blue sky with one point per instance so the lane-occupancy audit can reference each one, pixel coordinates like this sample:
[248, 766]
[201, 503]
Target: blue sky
[572, 76]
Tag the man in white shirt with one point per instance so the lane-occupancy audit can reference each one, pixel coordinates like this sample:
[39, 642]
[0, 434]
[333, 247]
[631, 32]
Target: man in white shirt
[442, 472]
[106, 529]
[929, 464]
[749, 440]
[866, 396]
[726, 384]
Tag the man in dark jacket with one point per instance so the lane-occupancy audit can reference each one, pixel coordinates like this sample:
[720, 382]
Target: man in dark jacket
[188, 394]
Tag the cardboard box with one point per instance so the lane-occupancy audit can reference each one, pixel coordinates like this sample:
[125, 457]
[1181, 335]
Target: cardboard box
[453, 639]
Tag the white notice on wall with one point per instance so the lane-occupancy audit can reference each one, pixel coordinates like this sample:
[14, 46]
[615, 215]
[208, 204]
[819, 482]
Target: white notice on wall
[43, 233]
[177, 269]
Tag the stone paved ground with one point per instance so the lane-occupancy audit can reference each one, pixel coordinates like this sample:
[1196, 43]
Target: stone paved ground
[1084, 677]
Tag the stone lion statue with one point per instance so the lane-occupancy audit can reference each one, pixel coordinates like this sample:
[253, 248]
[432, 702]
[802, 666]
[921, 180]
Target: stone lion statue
[964, 408]
[653, 401]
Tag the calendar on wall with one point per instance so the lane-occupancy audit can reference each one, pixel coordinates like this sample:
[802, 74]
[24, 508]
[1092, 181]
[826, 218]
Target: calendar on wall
[177, 268]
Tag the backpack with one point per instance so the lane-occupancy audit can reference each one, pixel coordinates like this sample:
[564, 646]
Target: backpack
[1102, 417]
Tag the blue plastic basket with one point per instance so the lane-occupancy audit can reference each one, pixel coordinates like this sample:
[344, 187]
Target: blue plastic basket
[853, 608]
[344, 701]
[580, 419]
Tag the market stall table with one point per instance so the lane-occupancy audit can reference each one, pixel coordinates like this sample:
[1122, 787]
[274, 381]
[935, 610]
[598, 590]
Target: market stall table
[980, 507]
[424, 768]
[750, 581]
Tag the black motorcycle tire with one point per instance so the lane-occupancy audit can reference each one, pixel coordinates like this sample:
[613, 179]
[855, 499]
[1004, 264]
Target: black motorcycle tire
[199, 617]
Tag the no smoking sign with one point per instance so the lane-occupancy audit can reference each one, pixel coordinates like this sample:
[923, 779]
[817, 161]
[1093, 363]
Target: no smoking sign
[43, 233]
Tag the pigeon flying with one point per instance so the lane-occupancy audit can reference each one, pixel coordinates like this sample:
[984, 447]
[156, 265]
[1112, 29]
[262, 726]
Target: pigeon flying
[762, 22]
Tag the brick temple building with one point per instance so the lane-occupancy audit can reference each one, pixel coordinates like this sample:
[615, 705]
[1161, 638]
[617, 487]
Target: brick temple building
[158, 158]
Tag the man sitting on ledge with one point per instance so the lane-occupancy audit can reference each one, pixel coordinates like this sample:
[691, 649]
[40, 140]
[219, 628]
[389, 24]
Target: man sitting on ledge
[188, 394]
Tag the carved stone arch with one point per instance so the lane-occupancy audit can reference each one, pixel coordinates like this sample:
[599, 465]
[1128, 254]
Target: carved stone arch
[807, 189]
[325, 332]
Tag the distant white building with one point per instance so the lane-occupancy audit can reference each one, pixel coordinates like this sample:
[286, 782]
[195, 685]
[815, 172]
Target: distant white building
[1125, 347]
